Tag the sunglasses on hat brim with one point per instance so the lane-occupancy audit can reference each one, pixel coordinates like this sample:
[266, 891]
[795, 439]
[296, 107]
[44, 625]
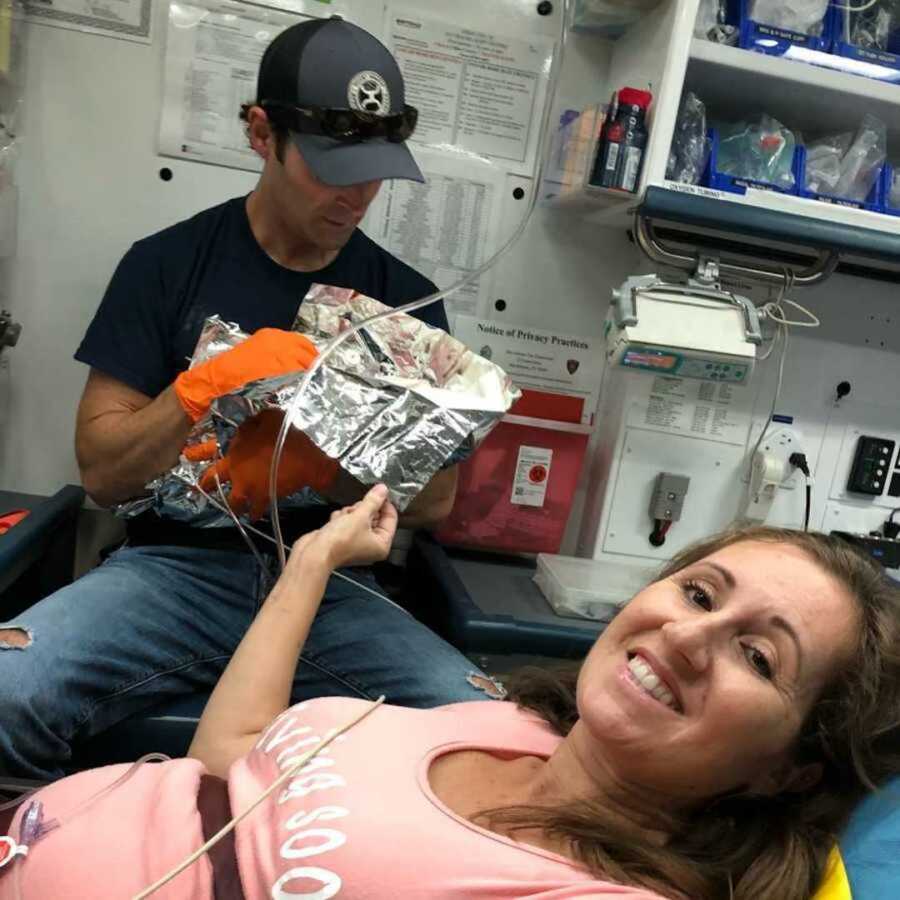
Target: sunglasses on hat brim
[349, 125]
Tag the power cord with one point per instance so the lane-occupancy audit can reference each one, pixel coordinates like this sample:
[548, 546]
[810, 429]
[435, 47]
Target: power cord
[799, 461]
[775, 312]
[891, 528]
[783, 333]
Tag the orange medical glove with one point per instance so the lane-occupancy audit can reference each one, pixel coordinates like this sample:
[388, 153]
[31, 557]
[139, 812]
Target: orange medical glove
[249, 458]
[265, 354]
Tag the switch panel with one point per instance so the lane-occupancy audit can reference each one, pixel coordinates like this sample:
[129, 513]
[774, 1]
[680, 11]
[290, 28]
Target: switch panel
[871, 465]
[668, 497]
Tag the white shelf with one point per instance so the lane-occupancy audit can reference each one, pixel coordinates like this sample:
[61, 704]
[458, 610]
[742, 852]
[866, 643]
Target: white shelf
[737, 83]
[799, 206]
[601, 206]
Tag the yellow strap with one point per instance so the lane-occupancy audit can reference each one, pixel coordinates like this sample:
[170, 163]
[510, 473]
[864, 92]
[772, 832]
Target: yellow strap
[834, 885]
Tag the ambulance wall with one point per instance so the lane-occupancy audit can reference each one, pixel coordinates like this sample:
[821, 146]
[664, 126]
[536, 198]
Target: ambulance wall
[858, 342]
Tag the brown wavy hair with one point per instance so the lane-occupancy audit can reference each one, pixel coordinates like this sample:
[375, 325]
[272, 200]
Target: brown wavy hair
[749, 847]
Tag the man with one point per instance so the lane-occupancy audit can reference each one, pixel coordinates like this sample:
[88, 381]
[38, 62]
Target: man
[163, 615]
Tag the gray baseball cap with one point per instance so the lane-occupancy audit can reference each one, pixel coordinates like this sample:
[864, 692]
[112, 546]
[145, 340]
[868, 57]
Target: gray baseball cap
[333, 65]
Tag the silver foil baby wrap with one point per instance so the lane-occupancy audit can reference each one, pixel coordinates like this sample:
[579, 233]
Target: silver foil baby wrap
[395, 403]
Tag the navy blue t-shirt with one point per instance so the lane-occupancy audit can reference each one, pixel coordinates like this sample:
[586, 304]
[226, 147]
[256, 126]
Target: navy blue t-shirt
[166, 285]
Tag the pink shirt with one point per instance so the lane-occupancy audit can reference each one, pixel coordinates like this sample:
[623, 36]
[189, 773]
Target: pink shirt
[121, 843]
[362, 822]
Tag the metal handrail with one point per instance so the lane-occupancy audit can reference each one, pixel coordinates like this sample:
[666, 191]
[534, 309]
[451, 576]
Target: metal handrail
[816, 272]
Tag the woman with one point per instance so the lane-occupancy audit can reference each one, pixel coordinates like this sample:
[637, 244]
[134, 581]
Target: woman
[714, 741]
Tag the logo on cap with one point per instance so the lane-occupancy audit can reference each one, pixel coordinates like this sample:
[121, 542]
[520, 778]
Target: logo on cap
[368, 92]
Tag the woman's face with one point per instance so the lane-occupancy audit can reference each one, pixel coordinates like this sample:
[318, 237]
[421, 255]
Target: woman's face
[701, 684]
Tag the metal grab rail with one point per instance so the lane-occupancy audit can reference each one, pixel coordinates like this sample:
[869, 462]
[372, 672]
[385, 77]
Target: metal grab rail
[816, 272]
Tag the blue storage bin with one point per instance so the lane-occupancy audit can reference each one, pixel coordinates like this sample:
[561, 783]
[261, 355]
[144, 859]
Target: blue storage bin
[774, 41]
[736, 184]
[874, 202]
[887, 179]
[889, 58]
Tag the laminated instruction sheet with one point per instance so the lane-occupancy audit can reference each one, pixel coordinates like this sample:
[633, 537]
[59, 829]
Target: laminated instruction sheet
[128, 19]
[477, 93]
[444, 228]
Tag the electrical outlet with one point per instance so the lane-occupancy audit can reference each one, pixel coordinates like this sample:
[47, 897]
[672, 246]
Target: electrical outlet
[782, 442]
[771, 471]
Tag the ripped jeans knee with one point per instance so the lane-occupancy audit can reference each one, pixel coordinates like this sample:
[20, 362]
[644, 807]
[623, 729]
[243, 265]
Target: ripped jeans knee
[16, 638]
[493, 688]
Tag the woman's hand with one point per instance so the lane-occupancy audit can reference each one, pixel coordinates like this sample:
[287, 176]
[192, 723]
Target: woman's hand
[356, 535]
[256, 685]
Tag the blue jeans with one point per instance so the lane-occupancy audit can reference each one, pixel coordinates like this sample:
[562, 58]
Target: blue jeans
[154, 623]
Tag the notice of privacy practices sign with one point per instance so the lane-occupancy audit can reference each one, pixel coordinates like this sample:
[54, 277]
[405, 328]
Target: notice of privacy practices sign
[541, 360]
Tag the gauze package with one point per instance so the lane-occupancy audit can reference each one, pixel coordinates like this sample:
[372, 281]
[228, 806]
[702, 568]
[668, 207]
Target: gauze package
[395, 403]
[870, 26]
[845, 165]
[804, 16]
